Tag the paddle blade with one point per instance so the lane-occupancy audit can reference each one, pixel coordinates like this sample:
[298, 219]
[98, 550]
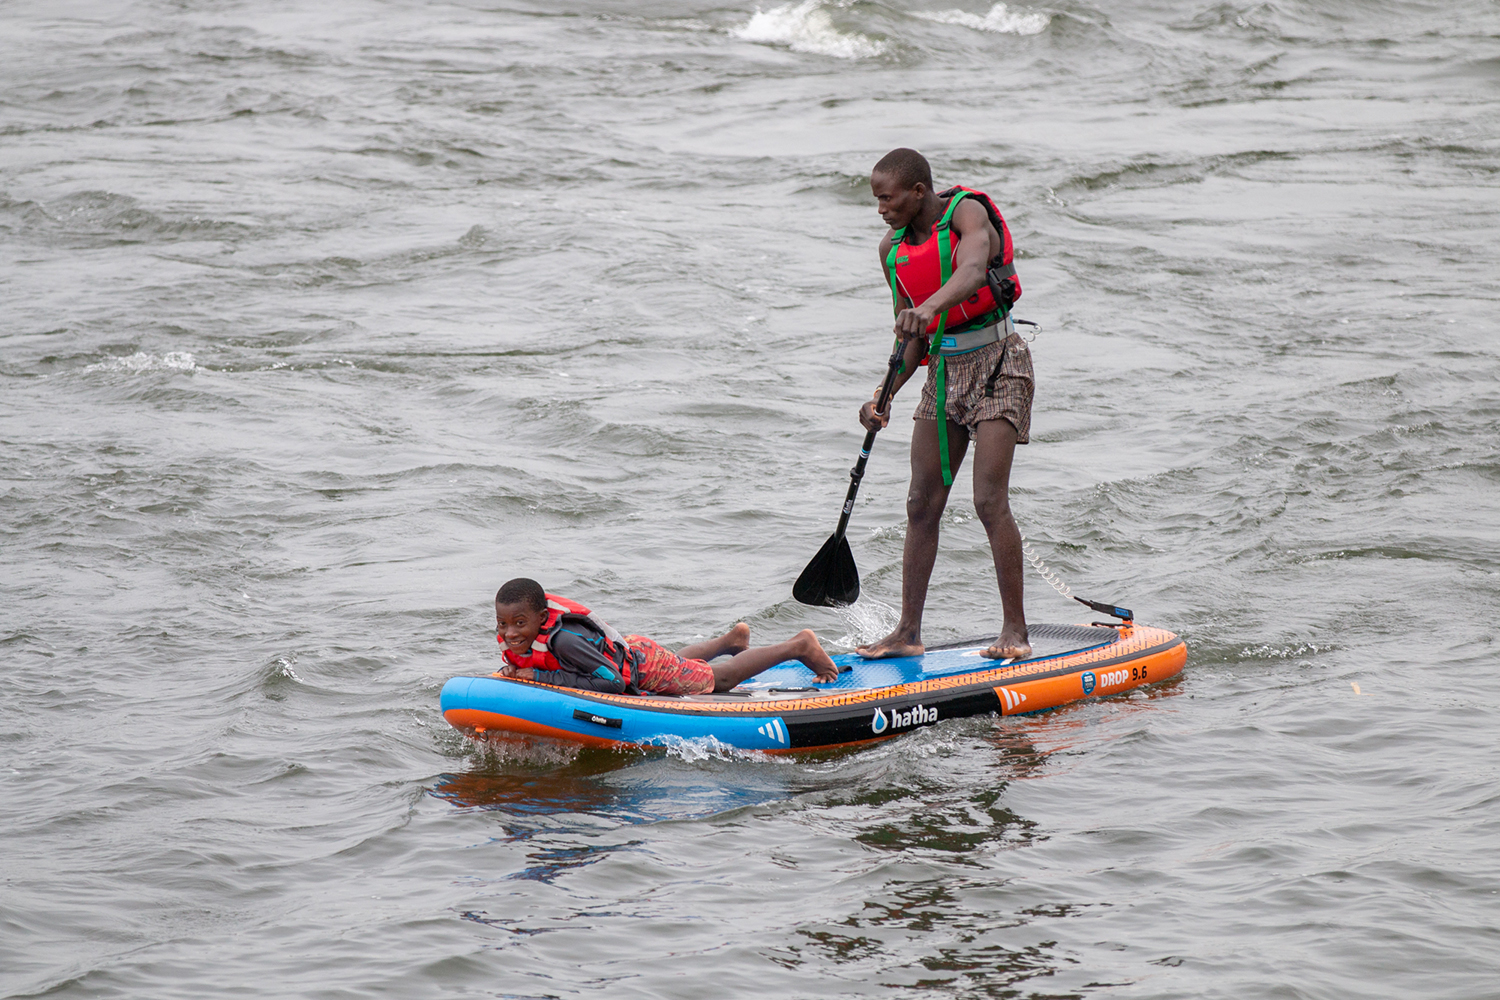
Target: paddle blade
[831, 579]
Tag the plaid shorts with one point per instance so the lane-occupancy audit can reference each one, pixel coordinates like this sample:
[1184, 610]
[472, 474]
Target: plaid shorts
[992, 383]
[664, 672]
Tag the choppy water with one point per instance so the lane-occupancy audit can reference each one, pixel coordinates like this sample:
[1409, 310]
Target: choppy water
[323, 319]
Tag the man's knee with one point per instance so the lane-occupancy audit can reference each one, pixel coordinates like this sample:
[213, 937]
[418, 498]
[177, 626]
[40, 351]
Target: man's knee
[993, 509]
[923, 506]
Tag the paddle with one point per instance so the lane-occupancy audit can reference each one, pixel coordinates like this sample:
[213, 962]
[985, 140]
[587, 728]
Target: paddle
[831, 579]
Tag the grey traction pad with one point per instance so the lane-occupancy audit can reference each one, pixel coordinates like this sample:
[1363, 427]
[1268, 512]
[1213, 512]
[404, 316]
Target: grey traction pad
[1046, 640]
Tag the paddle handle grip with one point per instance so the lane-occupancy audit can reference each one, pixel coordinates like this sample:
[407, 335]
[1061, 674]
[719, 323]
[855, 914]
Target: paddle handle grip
[858, 472]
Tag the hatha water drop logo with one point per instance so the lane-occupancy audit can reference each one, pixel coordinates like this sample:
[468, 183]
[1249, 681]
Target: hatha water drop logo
[879, 722]
[1088, 682]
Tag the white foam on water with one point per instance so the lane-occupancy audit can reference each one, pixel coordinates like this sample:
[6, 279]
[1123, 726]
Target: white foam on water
[698, 748]
[807, 27]
[1265, 652]
[140, 361]
[496, 749]
[1000, 19]
[283, 665]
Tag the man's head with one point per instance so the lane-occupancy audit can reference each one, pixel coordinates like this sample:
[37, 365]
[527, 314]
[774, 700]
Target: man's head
[901, 182]
[520, 612]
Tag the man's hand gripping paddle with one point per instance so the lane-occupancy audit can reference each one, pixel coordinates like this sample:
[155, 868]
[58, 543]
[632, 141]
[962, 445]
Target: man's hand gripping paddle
[831, 579]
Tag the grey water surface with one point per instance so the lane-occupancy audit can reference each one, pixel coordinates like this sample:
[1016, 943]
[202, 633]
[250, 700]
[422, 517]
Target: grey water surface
[322, 320]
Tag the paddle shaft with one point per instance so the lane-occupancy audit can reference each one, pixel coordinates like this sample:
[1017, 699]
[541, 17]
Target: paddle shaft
[858, 472]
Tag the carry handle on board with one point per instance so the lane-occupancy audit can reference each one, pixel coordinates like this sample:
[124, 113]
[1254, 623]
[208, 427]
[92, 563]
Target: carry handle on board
[831, 578]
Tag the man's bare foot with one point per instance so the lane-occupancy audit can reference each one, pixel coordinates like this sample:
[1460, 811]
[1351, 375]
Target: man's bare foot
[810, 651]
[1009, 646]
[898, 643]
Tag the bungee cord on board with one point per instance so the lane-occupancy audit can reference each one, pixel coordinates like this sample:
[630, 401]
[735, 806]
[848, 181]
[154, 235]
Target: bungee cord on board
[1043, 570]
[1047, 573]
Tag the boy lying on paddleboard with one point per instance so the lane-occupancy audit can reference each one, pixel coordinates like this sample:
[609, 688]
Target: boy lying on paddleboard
[557, 641]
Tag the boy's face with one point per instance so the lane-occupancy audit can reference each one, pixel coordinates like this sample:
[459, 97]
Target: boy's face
[517, 625]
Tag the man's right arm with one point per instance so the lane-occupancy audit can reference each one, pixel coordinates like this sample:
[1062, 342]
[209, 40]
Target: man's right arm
[973, 238]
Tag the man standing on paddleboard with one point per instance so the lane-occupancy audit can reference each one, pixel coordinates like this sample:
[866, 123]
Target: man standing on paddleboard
[948, 261]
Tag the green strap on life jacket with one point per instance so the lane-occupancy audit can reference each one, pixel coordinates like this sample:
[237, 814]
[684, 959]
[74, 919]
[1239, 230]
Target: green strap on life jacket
[890, 270]
[945, 271]
[935, 357]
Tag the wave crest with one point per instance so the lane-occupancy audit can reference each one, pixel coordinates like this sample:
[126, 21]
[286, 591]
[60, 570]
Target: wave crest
[1000, 19]
[140, 361]
[807, 27]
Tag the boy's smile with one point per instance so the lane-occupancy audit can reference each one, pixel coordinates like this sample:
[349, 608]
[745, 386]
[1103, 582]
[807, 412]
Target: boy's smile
[517, 625]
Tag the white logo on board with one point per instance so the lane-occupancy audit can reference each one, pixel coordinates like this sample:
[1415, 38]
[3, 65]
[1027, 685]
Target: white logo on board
[917, 715]
[774, 730]
[1013, 699]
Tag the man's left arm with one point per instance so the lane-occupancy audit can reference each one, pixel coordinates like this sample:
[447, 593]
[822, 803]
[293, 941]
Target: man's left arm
[971, 228]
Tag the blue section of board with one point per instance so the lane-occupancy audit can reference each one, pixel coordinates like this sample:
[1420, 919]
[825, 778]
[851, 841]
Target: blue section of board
[560, 710]
[857, 673]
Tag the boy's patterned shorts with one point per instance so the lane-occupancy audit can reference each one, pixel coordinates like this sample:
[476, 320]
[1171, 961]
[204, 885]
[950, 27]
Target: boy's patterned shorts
[664, 672]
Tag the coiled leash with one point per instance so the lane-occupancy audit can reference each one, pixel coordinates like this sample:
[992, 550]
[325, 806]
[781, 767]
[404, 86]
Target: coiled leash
[1047, 573]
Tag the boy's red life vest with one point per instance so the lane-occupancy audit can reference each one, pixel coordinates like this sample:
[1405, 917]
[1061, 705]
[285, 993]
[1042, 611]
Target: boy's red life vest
[559, 611]
[918, 271]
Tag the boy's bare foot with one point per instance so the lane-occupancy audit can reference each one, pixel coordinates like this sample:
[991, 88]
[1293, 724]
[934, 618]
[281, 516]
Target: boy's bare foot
[898, 643]
[810, 651]
[1012, 645]
[731, 643]
[737, 639]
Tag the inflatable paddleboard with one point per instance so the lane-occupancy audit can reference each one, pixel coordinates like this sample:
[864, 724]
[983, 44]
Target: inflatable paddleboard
[782, 709]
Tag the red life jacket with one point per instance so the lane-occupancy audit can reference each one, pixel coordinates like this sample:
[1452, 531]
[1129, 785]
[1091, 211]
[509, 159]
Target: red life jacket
[917, 271]
[559, 611]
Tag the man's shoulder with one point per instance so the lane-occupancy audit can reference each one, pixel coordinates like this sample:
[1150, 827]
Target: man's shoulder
[970, 212]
